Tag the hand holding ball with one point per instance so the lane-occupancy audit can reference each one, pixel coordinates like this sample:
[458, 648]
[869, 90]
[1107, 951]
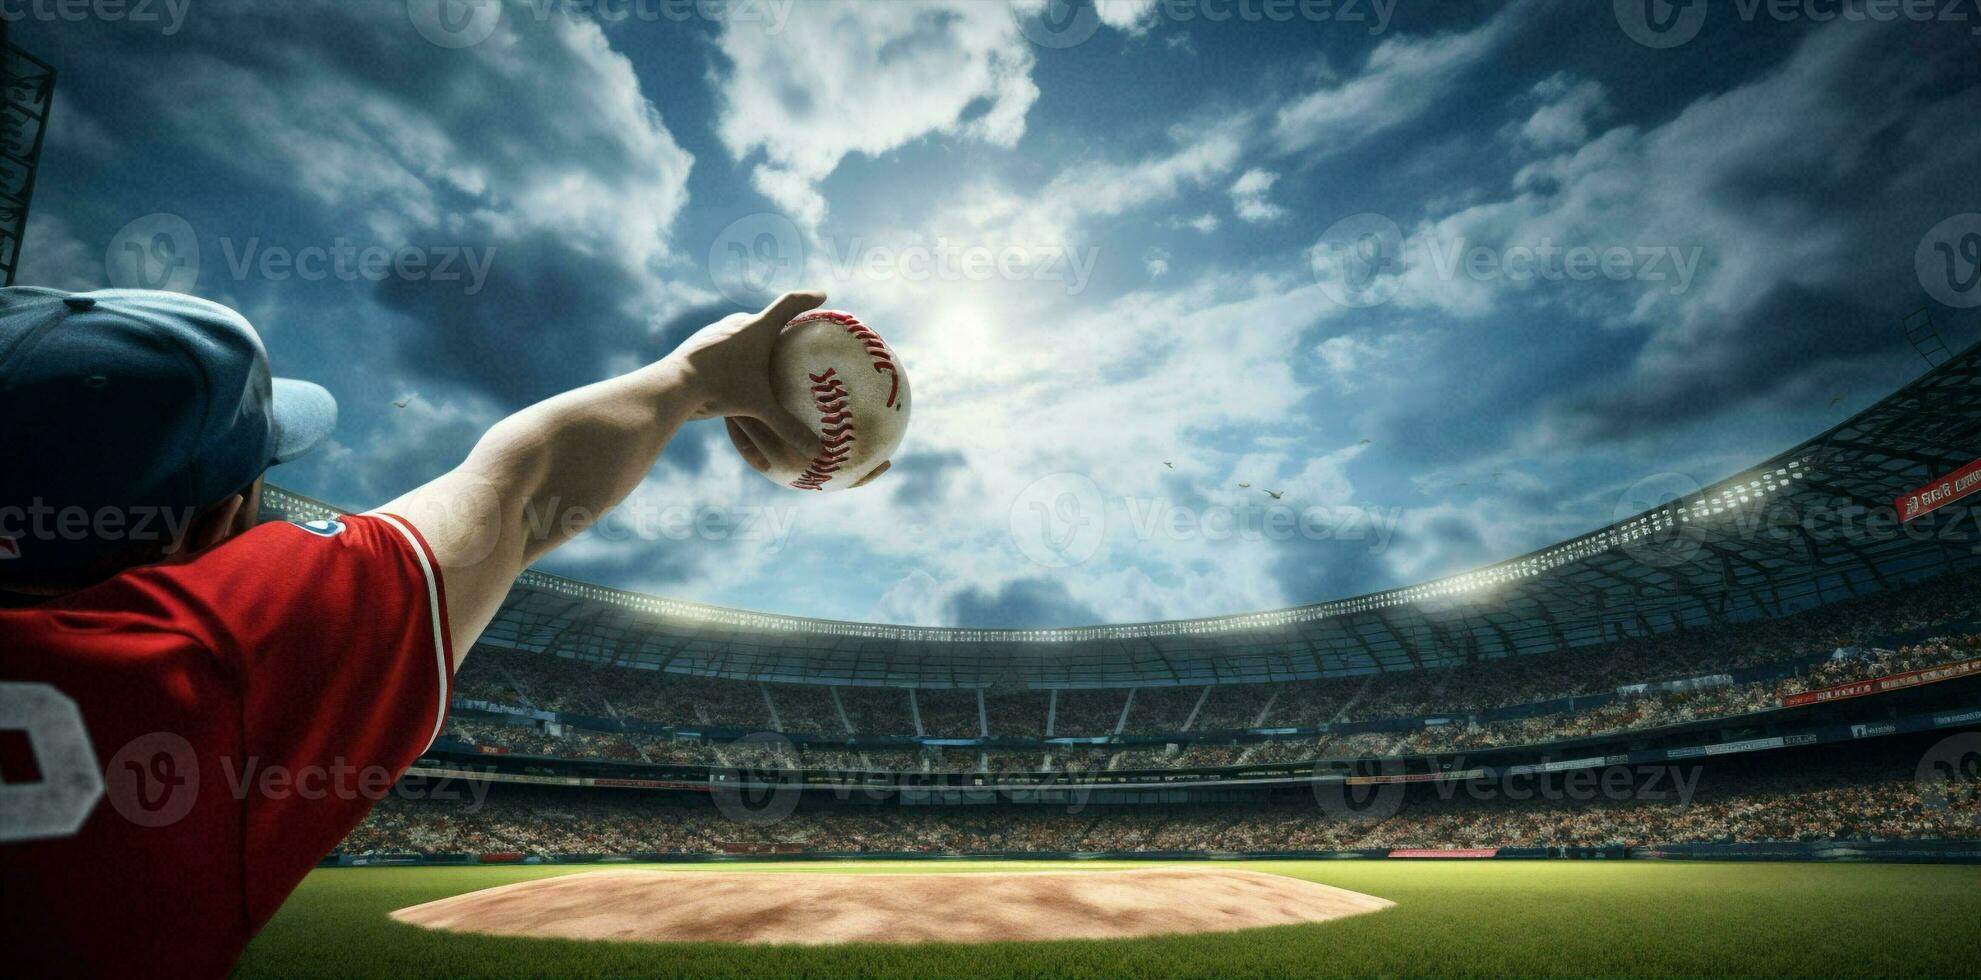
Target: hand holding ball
[842, 380]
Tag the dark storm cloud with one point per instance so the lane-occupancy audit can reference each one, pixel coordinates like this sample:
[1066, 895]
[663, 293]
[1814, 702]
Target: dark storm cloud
[1889, 151]
[547, 319]
[341, 123]
[671, 332]
[1318, 571]
[657, 566]
[1792, 335]
[1310, 570]
[923, 478]
[1018, 604]
[689, 450]
[398, 462]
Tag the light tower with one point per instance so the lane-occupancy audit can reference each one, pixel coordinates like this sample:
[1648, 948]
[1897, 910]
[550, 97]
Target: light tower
[30, 88]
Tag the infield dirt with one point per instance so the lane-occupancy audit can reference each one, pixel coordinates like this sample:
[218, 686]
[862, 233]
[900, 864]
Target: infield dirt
[818, 909]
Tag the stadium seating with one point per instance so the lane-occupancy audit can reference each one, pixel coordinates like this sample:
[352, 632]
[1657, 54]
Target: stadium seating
[656, 699]
[1865, 795]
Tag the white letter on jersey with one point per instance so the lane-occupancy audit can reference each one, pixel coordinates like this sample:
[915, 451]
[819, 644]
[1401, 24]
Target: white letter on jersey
[71, 782]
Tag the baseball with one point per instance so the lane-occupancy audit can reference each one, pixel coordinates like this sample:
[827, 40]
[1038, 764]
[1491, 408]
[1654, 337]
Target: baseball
[842, 379]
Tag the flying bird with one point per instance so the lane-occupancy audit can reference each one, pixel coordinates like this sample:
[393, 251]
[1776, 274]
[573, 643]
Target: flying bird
[1169, 464]
[1462, 484]
[1244, 486]
[1365, 442]
[1834, 401]
[402, 402]
[1275, 494]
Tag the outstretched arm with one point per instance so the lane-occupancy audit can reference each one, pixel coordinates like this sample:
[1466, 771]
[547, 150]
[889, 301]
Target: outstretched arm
[539, 477]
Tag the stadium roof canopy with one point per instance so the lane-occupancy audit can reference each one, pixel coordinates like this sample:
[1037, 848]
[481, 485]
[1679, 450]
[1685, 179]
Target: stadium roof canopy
[1812, 525]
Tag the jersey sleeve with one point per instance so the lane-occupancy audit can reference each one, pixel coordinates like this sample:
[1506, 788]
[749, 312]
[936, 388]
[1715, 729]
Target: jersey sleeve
[338, 635]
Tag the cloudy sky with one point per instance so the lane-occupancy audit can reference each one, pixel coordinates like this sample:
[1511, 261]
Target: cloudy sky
[1457, 280]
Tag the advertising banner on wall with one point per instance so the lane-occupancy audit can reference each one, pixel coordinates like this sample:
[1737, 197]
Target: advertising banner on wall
[1940, 492]
[1895, 682]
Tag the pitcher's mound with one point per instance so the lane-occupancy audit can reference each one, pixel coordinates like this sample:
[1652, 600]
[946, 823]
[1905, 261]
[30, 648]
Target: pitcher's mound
[752, 907]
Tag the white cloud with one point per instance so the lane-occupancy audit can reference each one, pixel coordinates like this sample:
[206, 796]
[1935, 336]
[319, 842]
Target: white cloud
[1030, 386]
[418, 442]
[916, 599]
[1249, 197]
[1664, 188]
[493, 159]
[80, 134]
[867, 78]
[52, 256]
[1402, 79]
[1685, 193]
[1204, 223]
[1132, 16]
[1156, 261]
[1564, 120]
[1353, 359]
[1199, 157]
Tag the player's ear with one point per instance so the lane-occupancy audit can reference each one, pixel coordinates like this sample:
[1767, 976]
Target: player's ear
[219, 522]
[250, 513]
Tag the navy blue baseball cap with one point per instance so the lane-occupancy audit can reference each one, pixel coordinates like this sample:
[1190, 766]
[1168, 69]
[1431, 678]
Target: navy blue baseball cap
[126, 405]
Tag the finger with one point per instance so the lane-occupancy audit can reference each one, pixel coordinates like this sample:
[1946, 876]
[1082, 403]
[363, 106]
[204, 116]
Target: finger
[779, 446]
[789, 305]
[878, 470]
[791, 432]
[746, 446]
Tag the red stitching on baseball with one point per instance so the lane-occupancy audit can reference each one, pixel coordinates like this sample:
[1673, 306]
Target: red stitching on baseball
[883, 357]
[830, 395]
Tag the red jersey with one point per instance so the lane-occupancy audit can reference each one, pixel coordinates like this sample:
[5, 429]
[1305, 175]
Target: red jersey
[183, 743]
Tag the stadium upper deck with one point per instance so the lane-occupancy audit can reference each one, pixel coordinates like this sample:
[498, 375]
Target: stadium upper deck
[1809, 526]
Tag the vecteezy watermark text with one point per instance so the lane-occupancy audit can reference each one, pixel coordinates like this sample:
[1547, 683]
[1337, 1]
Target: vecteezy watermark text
[1671, 23]
[1062, 519]
[1154, 519]
[637, 520]
[765, 253]
[154, 781]
[1364, 260]
[163, 251]
[168, 15]
[1345, 793]
[1070, 23]
[770, 15]
[39, 521]
[457, 24]
[346, 261]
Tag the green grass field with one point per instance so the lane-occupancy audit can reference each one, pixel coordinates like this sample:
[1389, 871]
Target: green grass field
[1451, 918]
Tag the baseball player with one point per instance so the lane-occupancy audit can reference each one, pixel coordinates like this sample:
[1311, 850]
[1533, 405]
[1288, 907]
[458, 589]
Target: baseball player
[195, 708]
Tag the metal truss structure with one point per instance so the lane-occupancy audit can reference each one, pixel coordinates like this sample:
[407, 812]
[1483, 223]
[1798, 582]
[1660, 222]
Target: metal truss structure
[1813, 525]
[29, 90]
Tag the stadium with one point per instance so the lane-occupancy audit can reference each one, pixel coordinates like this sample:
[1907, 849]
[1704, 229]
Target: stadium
[1734, 731]
[1772, 670]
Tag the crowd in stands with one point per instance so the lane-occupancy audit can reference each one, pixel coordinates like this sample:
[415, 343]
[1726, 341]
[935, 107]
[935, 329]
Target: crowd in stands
[509, 738]
[542, 682]
[1639, 711]
[1689, 653]
[948, 712]
[1841, 801]
[1883, 663]
[1019, 711]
